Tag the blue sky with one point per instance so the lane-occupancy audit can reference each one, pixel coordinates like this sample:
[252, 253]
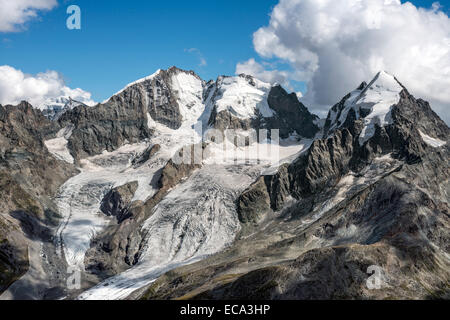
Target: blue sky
[121, 41]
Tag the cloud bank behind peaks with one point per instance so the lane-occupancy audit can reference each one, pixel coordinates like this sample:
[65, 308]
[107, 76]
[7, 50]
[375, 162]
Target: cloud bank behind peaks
[38, 90]
[333, 45]
[251, 67]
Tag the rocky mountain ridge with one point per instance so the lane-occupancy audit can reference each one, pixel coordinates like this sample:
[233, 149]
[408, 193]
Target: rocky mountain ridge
[370, 188]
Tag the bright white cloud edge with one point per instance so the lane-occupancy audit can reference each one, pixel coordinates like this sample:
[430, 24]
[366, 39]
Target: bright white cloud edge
[39, 90]
[335, 45]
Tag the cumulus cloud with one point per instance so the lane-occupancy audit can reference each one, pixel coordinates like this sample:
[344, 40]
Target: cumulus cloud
[14, 13]
[253, 68]
[38, 90]
[334, 45]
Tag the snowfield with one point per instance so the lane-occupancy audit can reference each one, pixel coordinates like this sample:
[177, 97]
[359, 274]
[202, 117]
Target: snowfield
[58, 146]
[243, 97]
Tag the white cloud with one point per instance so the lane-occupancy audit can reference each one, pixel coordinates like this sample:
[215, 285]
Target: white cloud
[38, 90]
[14, 13]
[334, 45]
[198, 53]
[253, 68]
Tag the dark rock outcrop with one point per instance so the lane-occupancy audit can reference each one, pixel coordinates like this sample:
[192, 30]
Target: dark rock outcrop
[291, 114]
[117, 201]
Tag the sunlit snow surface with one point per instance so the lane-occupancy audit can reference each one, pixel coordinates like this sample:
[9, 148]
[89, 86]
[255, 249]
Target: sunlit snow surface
[242, 97]
[433, 142]
[377, 99]
[58, 146]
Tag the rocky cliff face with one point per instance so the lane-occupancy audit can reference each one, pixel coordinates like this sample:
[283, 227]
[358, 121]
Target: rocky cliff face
[26, 187]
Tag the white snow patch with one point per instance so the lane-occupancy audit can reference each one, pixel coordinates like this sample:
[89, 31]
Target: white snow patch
[379, 96]
[58, 146]
[242, 97]
[433, 142]
[189, 91]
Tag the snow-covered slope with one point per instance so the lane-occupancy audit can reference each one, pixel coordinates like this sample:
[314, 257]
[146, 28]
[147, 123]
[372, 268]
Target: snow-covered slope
[433, 142]
[372, 102]
[243, 96]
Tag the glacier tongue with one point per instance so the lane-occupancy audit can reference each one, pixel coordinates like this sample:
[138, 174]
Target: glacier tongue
[193, 221]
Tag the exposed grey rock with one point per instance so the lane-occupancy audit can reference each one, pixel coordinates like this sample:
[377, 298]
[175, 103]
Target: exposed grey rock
[124, 117]
[26, 187]
[146, 155]
[116, 202]
[291, 115]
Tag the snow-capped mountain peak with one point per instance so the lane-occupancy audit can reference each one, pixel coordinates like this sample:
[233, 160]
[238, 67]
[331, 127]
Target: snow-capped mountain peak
[242, 96]
[372, 102]
[53, 108]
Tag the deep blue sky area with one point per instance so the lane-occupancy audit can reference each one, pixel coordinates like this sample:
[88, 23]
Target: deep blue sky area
[121, 41]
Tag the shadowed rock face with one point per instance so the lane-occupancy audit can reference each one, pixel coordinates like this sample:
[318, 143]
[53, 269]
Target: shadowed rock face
[118, 199]
[26, 187]
[291, 114]
[106, 126]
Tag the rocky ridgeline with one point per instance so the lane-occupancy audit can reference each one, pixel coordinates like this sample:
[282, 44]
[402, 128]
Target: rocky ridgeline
[124, 117]
[334, 156]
